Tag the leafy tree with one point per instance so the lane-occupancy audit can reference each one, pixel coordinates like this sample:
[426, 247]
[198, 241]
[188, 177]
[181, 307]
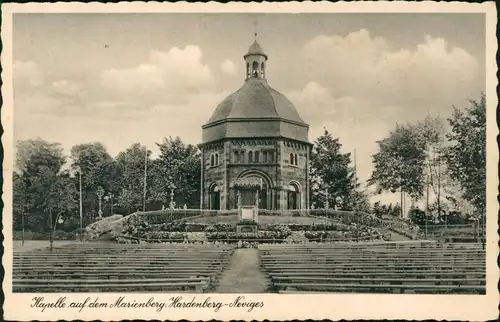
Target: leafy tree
[42, 190]
[98, 169]
[178, 164]
[383, 211]
[130, 168]
[330, 169]
[400, 162]
[377, 209]
[466, 155]
[358, 200]
[21, 205]
[417, 216]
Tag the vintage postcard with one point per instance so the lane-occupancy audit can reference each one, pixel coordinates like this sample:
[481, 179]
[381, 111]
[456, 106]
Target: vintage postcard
[250, 161]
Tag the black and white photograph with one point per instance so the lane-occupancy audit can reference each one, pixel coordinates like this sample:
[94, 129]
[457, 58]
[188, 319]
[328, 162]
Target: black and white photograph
[249, 154]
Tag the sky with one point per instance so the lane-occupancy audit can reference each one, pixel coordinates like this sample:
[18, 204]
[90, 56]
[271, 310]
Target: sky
[125, 78]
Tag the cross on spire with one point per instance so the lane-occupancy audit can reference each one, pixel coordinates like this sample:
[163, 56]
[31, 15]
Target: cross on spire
[255, 25]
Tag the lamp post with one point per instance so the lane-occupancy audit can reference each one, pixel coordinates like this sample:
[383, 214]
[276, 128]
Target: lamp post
[145, 179]
[172, 203]
[426, 215]
[100, 193]
[110, 198]
[81, 203]
[327, 197]
[22, 222]
[59, 220]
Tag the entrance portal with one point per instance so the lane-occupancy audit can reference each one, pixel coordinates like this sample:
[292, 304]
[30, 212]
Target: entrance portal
[247, 189]
[215, 198]
[248, 197]
[293, 196]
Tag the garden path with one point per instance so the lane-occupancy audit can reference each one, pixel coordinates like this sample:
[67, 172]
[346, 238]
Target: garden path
[244, 274]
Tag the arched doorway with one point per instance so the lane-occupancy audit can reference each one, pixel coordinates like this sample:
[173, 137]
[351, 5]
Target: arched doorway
[214, 197]
[251, 184]
[250, 193]
[293, 196]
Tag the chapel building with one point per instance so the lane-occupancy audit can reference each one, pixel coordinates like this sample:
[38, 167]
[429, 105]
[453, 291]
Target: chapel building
[255, 148]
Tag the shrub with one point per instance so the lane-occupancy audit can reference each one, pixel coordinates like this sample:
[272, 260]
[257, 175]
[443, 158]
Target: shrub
[220, 227]
[296, 237]
[417, 216]
[281, 230]
[247, 222]
[315, 235]
[162, 235]
[195, 227]
[260, 237]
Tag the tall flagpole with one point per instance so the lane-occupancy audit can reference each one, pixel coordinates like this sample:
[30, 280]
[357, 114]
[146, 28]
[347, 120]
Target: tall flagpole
[145, 177]
[427, 204]
[355, 169]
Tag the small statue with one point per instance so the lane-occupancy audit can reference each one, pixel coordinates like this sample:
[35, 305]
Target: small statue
[239, 198]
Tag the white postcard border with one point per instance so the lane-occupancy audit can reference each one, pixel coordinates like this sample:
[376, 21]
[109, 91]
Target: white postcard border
[276, 307]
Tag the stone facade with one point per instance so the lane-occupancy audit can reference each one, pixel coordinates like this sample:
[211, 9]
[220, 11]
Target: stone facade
[255, 148]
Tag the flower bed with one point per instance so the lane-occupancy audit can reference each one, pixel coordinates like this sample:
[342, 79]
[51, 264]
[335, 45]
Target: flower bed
[140, 228]
[220, 227]
[314, 227]
[263, 236]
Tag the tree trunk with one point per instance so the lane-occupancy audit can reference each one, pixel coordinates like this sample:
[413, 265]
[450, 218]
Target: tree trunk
[357, 226]
[22, 222]
[51, 237]
[483, 225]
[401, 205]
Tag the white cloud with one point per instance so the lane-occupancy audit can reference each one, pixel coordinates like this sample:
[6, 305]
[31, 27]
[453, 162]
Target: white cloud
[26, 74]
[354, 120]
[313, 102]
[66, 88]
[228, 67]
[166, 77]
[430, 77]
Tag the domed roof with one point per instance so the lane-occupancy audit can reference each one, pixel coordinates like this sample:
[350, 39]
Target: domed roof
[256, 100]
[255, 49]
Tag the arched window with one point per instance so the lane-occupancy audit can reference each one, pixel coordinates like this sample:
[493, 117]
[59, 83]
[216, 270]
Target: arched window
[262, 69]
[236, 157]
[217, 159]
[212, 160]
[271, 157]
[250, 157]
[255, 68]
[248, 70]
[291, 158]
[264, 156]
[296, 159]
[256, 156]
